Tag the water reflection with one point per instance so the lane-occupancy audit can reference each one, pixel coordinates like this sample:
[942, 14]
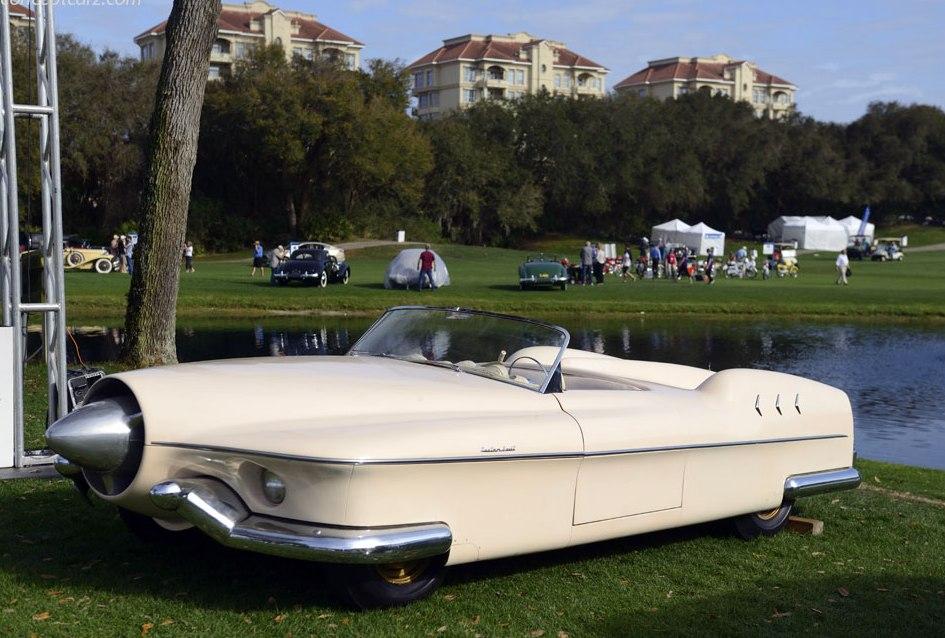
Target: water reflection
[894, 374]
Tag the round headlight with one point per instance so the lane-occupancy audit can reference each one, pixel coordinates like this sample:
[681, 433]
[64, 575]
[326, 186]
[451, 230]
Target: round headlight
[273, 487]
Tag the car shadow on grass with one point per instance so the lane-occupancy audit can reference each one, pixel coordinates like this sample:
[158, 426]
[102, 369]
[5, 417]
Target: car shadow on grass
[54, 540]
[60, 542]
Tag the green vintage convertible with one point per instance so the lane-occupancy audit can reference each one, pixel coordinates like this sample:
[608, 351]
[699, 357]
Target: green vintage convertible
[542, 271]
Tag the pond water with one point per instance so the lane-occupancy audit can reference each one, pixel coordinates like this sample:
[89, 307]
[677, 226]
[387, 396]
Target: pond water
[894, 374]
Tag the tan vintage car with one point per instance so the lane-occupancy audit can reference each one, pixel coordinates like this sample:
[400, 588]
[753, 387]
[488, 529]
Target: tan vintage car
[97, 259]
[447, 436]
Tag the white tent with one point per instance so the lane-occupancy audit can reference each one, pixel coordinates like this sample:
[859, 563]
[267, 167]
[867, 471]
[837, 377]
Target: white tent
[701, 238]
[402, 271]
[670, 232]
[810, 233]
[852, 224]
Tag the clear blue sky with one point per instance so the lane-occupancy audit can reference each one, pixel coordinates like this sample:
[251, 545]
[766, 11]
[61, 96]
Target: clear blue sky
[842, 54]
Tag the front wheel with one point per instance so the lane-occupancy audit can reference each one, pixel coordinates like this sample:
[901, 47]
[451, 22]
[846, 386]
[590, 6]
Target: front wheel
[103, 266]
[768, 523]
[346, 277]
[323, 280]
[392, 585]
[148, 530]
[563, 285]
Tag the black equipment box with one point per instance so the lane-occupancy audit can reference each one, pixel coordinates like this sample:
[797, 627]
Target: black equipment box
[79, 382]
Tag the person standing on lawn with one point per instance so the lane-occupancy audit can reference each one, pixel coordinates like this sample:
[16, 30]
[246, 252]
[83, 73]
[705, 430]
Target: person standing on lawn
[427, 266]
[600, 258]
[122, 257]
[259, 260]
[587, 263]
[843, 264]
[130, 254]
[189, 257]
[710, 267]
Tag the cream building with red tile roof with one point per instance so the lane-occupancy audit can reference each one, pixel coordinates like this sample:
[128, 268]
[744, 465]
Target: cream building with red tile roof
[243, 27]
[471, 67]
[768, 94]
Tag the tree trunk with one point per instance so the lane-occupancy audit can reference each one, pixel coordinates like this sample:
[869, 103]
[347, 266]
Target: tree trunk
[293, 217]
[150, 321]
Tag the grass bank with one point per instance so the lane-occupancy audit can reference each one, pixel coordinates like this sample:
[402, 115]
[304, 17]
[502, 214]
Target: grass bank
[486, 278]
[70, 570]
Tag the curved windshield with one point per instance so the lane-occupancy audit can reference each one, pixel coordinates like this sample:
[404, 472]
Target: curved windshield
[507, 349]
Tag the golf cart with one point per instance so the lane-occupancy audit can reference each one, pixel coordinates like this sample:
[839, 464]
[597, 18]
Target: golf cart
[889, 248]
[860, 247]
[781, 259]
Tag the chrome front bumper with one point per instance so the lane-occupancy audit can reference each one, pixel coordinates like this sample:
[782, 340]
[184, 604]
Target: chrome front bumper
[820, 482]
[216, 510]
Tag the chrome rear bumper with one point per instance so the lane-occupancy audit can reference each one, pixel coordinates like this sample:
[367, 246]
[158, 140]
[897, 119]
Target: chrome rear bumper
[216, 510]
[820, 482]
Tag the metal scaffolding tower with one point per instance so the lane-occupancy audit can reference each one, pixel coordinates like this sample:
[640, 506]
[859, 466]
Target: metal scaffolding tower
[16, 310]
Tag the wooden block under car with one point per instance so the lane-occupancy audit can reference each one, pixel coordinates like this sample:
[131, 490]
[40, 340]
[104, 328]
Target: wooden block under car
[805, 525]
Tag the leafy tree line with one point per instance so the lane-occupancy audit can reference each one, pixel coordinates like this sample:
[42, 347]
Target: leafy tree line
[307, 149]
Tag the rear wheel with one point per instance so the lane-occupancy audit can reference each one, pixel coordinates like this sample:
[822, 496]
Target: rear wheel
[393, 584]
[763, 523]
[103, 266]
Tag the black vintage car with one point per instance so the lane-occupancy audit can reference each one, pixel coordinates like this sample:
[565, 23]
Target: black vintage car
[311, 266]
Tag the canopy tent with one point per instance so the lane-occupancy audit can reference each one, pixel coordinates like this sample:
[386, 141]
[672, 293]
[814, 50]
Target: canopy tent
[670, 232]
[701, 238]
[402, 271]
[853, 224]
[810, 233]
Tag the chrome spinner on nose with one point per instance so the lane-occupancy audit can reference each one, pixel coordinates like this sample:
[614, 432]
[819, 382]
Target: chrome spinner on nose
[98, 436]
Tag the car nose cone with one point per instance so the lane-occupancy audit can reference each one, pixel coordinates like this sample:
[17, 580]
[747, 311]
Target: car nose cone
[97, 436]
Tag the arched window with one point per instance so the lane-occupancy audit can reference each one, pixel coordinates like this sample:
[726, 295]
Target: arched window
[333, 54]
[587, 80]
[496, 72]
[781, 98]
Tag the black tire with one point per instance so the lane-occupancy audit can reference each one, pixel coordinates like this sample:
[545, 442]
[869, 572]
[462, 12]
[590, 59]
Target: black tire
[370, 587]
[770, 523]
[148, 531]
[563, 285]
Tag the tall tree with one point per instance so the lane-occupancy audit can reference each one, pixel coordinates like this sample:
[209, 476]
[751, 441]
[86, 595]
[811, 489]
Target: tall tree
[150, 321]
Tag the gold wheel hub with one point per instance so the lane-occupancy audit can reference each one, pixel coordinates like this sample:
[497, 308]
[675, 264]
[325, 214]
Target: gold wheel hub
[403, 573]
[767, 516]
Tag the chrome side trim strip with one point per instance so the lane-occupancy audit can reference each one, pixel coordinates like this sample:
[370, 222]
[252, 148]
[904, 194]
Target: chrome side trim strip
[821, 482]
[479, 459]
[216, 510]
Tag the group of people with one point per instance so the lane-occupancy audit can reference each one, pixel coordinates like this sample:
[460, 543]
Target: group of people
[673, 262]
[122, 250]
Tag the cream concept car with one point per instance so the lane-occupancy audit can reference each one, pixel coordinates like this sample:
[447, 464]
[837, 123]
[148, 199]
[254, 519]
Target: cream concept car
[447, 436]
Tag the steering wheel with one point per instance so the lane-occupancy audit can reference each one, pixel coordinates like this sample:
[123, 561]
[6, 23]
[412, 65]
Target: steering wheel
[525, 356]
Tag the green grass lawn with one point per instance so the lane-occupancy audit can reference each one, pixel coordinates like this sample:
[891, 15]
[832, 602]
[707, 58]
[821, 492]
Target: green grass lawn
[486, 278]
[67, 569]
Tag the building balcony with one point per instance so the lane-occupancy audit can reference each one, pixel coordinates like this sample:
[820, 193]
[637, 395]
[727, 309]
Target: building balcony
[221, 56]
[587, 89]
